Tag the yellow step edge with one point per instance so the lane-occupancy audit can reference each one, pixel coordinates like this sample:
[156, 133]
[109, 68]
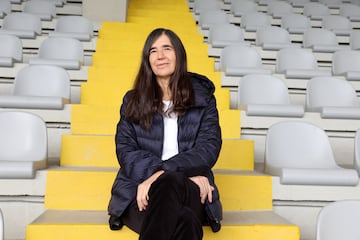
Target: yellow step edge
[99, 151]
[230, 123]
[103, 94]
[59, 225]
[90, 190]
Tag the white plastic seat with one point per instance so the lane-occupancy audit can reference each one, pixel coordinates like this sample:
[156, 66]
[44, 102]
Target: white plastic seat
[357, 151]
[21, 24]
[321, 40]
[211, 17]
[332, 3]
[354, 40]
[295, 23]
[46, 10]
[23, 144]
[266, 95]
[300, 153]
[278, 8]
[64, 52]
[316, 10]
[253, 21]
[340, 25]
[78, 27]
[298, 63]
[10, 50]
[351, 11]
[39, 87]
[339, 220]
[272, 38]
[346, 63]
[206, 5]
[240, 60]
[5, 8]
[221, 35]
[298, 3]
[332, 97]
[240, 7]
[58, 3]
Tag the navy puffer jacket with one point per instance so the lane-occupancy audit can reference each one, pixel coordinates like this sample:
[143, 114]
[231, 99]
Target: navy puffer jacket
[139, 151]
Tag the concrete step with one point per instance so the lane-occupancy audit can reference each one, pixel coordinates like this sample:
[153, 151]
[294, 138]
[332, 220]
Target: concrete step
[90, 189]
[78, 225]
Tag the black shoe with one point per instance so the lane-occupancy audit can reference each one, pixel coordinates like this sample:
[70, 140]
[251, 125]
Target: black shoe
[115, 223]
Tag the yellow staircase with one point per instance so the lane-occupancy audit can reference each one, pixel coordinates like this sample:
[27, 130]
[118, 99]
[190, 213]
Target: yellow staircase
[78, 191]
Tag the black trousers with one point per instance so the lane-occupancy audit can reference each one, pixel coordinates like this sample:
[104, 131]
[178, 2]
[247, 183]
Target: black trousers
[174, 211]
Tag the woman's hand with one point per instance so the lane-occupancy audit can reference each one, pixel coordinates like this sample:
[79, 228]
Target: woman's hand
[205, 188]
[142, 196]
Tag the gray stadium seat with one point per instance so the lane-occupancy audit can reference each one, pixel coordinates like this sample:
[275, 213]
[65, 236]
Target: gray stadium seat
[266, 95]
[78, 27]
[340, 25]
[60, 51]
[332, 97]
[300, 153]
[298, 63]
[272, 38]
[23, 144]
[5, 8]
[351, 11]
[239, 8]
[39, 87]
[253, 21]
[212, 17]
[295, 23]
[278, 9]
[21, 24]
[339, 220]
[354, 40]
[321, 40]
[46, 10]
[346, 63]
[316, 10]
[357, 151]
[221, 35]
[240, 60]
[10, 50]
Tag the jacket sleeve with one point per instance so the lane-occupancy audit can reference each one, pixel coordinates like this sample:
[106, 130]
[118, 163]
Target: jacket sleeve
[136, 163]
[202, 157]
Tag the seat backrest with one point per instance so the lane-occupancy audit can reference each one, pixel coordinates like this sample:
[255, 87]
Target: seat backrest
[298, 144]
[234, 56]
[336, 22]
[315, 10]
[11, 46]
[42, 80]
[239, 8]
[206, 5]
[332, 3]
[319, 36]
[252, 21]
[278, 9]
[262, 89]
[330, 92]
[23, 137]
[350, 10]
[46, 10]
[339, 220]
[344, 61]
[74, 24]
[295, 58]
[62, 48]
[272, 35]
[295, 22]
[357, 151]
[20, 21]
[354, 39]
[5, 7]
[210, 17]
[226, 32]
[298, 3]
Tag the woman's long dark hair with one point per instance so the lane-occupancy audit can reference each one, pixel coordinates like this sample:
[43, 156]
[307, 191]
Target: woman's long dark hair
[146, 97]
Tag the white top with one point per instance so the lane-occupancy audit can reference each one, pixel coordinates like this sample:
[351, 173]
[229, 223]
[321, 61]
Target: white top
[170, 145]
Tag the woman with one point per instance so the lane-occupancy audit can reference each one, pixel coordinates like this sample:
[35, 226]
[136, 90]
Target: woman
[167, 140]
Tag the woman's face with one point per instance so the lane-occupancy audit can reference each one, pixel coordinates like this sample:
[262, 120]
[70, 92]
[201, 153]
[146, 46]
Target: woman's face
[162, 58]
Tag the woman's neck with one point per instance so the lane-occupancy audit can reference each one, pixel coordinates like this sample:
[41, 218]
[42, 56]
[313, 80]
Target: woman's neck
[164, 85]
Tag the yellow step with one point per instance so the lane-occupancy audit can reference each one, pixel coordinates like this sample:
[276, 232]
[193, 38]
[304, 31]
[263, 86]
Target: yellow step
[92, 225]
[101, 119]
[99, 151]
[90, 188]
